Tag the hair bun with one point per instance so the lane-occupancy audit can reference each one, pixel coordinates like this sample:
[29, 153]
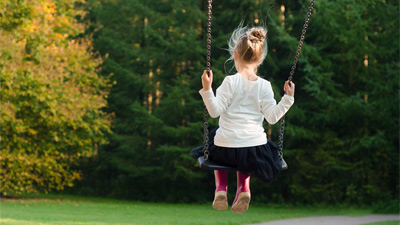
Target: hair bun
[257, 35]
[250, 44]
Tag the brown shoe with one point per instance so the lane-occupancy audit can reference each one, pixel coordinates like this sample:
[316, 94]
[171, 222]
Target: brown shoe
[220, 200]
[242, 203]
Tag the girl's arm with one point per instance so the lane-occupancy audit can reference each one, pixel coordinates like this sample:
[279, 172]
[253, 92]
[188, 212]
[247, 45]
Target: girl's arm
[273, 112]
[216, 105]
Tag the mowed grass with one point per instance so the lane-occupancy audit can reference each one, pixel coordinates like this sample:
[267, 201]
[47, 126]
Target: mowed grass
[85, 211]
[395, 222]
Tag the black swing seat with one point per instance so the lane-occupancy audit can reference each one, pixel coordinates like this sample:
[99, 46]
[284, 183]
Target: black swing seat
[197, 153]
[210, 165]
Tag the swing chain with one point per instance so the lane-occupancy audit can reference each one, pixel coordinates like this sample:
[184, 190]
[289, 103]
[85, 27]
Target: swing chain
[206, 134]
[303, 34]
[205, 149]
[209, 35]
[296, 58]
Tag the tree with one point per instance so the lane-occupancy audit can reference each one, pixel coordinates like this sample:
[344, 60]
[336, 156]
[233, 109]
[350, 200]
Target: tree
[51, 94]
[343, 129]
[153, 49]
[346, 103]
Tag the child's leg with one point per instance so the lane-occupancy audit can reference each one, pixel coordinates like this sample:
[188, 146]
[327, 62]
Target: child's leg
[221, 187]
[242, 199]
[221, 180]
[243, 182]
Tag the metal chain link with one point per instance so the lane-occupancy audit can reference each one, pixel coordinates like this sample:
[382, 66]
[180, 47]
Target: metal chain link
[296, 58]
[205, 149]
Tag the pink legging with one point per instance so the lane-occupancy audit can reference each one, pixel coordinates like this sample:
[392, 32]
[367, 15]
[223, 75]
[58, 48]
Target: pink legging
[221, 182]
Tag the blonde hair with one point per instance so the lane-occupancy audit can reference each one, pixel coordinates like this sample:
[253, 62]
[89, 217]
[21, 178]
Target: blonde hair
[250, 44]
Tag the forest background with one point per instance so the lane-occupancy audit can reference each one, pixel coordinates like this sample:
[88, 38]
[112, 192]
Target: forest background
[100, 97]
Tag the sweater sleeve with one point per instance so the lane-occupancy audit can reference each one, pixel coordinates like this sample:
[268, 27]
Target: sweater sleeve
[274, 112]
[216, 105]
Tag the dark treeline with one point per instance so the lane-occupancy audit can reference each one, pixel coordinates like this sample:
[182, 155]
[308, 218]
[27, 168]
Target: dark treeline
[341, 136]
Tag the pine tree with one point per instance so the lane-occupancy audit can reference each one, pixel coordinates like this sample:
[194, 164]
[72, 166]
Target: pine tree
[153, 49]
[341, 134]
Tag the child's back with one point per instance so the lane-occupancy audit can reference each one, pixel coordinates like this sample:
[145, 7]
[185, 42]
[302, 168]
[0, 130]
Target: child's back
[242, 106]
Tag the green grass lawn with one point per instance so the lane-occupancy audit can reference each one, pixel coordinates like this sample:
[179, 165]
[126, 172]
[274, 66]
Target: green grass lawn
[396, 222]
[79, 210]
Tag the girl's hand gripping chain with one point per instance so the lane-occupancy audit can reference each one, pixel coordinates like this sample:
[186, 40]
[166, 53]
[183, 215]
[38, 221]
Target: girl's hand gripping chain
[289, 88]
[206, 80]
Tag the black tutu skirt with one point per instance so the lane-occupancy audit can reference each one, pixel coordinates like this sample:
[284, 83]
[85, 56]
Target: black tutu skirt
[262, 161]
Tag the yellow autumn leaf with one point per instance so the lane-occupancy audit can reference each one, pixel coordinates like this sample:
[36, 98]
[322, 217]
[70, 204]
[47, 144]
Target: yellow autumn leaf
[32, 131]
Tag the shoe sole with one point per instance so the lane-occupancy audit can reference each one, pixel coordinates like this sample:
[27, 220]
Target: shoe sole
[220, 201]
[242, 203]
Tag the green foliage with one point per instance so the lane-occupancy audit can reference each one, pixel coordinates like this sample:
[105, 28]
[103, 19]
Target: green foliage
[154, 51]
[386, 206]
[353, 105]
[341, 136]
[51, 96]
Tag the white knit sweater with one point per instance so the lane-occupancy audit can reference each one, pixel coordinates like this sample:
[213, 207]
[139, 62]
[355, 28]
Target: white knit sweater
[242, 106]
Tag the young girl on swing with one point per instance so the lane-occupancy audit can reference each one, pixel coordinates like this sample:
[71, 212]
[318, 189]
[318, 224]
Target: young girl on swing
[242, 102]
